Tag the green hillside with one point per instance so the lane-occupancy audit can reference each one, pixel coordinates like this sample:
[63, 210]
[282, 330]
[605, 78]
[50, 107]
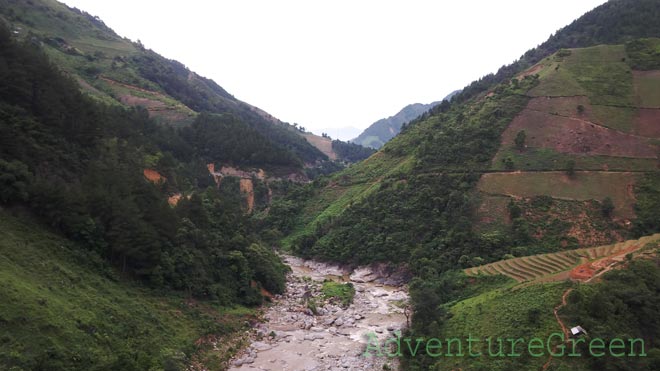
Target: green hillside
[104, 288]
[118, 71]
[557, 151]
[64, 308]
[123, 246]
[574, 110]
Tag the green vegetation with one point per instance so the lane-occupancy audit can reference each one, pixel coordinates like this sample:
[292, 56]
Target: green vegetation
[112, 69]
[607, 206]
[613, 117]
[423, 214]
[644, 54]
[602, 72]
[520, 140]
[64, 308]
[79, 165]
[107, 287]
[647, 193]
[624, 305]
[501, 312]
[341, 292]
[351, 152]
[224, 139]
[551, 160]
[583, 186]
[614, 22]
[646, 85]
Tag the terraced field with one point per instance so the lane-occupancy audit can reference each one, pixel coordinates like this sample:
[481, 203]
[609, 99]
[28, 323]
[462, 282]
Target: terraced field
[582, 186]
[534, 267]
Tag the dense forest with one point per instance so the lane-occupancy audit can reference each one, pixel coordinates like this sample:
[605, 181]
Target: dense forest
[79, 165]
[173, 77]
[351, 152]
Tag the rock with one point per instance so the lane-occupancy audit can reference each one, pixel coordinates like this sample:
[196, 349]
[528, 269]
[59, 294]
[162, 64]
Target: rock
[358, 317]
[363, 275]
[260, 346]
[390, 328]
[317, 329]
[339, 322]
[329, 321]
[313, 337]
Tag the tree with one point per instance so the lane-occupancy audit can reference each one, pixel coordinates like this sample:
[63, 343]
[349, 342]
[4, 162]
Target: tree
[607, 207]
[520, 140]
[570, 168]
[514, 210]
[508, 163]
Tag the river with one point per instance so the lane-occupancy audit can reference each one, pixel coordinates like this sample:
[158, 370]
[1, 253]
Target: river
[293, 338]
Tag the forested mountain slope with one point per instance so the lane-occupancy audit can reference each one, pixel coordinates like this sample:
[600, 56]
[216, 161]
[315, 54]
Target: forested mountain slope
[577, 117]
[96, 178]
[557, 151]
[120, 72]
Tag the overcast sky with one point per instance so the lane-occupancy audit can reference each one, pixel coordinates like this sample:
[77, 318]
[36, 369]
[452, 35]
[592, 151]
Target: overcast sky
[338, 63]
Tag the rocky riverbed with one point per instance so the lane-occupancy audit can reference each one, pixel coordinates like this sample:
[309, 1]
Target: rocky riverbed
[294, 338]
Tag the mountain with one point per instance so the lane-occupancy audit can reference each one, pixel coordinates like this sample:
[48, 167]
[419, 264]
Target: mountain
[128, 196]
[383, 130]
[139, 202]
[556, 151]
[117, 71]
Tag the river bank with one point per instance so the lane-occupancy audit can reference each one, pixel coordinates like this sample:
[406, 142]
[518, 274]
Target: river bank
[293, 337]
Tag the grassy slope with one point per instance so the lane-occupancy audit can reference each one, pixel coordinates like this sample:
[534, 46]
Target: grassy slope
[70, 312]
[503, 312]
[581, 186]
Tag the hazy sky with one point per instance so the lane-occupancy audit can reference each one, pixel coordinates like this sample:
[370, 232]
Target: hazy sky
[338, 63]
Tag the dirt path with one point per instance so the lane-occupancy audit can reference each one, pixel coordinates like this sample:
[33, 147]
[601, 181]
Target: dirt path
[294, 338]
[564, 329]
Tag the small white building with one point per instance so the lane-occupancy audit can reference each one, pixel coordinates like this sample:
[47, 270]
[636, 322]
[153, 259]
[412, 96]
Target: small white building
[577, 331]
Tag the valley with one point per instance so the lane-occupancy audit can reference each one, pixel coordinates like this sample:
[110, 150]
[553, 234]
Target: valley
[150, 220]
[304, 330]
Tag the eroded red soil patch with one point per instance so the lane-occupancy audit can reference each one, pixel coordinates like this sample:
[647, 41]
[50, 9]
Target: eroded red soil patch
[530, 71]
[575, 136]
[582, 272]
[563, 106]
[153, 176]
[586, 271]
[147, 103]
[647, 122]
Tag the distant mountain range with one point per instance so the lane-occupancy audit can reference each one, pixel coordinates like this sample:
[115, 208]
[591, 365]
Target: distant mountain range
[385, 129]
